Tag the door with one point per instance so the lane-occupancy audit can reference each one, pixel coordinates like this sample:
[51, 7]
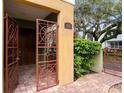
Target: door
[27, 46]
[46, 54]
[11, 54]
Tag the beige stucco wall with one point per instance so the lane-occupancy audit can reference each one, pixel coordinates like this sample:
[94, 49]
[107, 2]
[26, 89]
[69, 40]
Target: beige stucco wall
[98, 65]
[65, 36]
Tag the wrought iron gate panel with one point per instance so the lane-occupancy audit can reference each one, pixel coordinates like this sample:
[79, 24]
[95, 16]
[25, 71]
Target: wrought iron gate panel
[46, 51]
[11, 32]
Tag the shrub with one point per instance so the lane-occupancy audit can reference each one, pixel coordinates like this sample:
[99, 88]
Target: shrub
[84, 51]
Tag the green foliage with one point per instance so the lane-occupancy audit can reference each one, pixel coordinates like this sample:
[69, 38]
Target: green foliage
[84, 51]
[100, 18]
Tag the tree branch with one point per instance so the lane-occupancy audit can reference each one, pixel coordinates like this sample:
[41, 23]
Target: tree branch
[116, 32]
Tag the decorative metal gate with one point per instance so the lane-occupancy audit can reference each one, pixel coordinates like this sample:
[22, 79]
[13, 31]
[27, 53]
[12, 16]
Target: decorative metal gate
[11, 54]
[46, 54]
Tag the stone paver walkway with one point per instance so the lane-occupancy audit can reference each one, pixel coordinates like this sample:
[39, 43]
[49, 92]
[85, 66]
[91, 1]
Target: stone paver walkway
[116, 88]
[92, 83]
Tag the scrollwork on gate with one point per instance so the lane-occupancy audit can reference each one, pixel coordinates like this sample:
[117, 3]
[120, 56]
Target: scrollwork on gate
[11, 31]
[46, 51]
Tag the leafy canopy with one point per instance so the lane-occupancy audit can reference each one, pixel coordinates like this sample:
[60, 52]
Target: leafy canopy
[101, 18]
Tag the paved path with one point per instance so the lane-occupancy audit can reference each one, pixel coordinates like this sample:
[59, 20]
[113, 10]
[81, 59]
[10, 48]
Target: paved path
[92, 83]
[116, 88]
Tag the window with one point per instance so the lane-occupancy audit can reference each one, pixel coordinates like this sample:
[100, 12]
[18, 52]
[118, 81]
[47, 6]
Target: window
[112, 44]
[116, 44]
[120, 44]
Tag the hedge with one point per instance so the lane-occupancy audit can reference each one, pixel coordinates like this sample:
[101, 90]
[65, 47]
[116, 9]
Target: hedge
[84, 51]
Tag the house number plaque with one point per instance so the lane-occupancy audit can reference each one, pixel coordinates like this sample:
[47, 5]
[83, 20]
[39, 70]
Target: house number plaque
[68, 25]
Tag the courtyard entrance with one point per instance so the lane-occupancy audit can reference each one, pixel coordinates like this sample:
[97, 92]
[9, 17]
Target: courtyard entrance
[29, 56]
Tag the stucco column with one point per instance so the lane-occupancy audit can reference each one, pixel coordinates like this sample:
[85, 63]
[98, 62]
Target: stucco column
[65, 46]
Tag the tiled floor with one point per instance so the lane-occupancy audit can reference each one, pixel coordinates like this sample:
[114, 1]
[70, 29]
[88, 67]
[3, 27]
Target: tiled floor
[27, 80]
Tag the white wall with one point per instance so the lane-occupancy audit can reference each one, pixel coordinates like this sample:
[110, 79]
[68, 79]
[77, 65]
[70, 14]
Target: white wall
[98, 65]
